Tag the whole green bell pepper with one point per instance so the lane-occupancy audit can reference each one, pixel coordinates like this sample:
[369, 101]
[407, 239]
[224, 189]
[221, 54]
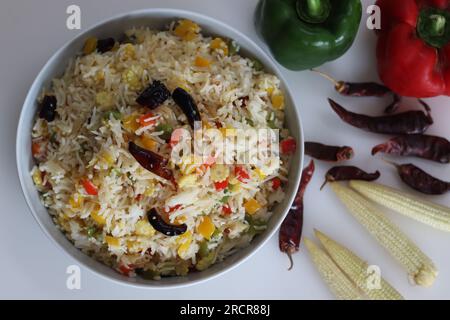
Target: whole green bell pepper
[303, 34]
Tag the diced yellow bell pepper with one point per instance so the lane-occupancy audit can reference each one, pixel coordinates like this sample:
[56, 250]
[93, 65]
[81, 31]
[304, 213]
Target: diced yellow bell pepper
[130, 123]
[278, 101]
[76, 201]
[252, 206]
[112, 241]
[202, 62]
[236, 187]
[219, 44]
[90, 45]
[149, 143]
[185, 241]
[180, 219]
[97, 217]
[37, 177]
[144, 228]
[270, 90]
[206, 228]
[187, 30]
[104, 99]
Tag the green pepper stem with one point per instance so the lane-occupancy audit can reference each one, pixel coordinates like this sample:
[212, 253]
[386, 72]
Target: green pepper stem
[433, 27]
[313, 11]
[315, 7]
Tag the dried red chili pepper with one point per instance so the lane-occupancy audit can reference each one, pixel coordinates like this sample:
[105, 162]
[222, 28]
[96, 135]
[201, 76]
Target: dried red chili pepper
[363, 89]
[409, 122]
[357, 89]
[185, 101]
[291, 228]
[417, 145]
[347, 173]
[328, 153]
[162, 226]
[151, 161]
[419, 180]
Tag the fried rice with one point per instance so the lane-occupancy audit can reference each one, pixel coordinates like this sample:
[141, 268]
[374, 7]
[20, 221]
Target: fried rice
[100, 196]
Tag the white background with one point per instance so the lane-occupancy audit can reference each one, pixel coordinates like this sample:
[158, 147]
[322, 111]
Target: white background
[32, 267]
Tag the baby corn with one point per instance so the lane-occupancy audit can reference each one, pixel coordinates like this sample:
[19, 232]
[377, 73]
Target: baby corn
[420, 268]
[429, 213]
[336, 280]
[356, 269]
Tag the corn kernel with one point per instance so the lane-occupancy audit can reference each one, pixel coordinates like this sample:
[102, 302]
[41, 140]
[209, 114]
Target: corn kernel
[260, 174]
[228, 132]
[219, 172]
[202, 62]
[130, 123]
[130, 77]
[104, 99]
[236, 187]
[270, 90]
[144, 228]
[76, 201]
[187, 30]
[129, 52]
[206, 228]
[149, 191]
[112, 241]
[219, 44]
[278, 101]
[97, 217]
[90, 45]
[252, 206]
[37, 177]
[100, 76]
[185, 241]
[107, 157]
[187, 181]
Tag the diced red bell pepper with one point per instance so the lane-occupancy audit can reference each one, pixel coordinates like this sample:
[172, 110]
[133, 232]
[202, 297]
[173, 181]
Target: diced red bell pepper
[147, 119]
[89, 187]
[226, 210]
[241, 174]
[35, 148]
[222, 185]
[126, 270]
[288, 146]
[276, 183]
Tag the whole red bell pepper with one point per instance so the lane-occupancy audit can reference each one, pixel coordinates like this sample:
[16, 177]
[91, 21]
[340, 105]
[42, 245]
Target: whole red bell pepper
[413, 50]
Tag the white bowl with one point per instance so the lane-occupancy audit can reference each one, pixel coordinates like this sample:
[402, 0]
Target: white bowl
[157, 19]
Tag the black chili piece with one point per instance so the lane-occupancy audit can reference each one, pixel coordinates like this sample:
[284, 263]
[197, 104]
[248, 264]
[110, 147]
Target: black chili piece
[151, 161]
[154, 95]
[409, 122]
[187, 104]
[328, 153]
[48, 108]
[291, 228]
[162, 226]
[417, 145]
[419, 180]
[347, 173]
[105, 45]
[357, 89]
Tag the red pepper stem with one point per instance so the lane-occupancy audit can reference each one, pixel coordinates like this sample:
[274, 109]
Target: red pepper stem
[291, 262]
[437, 25]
